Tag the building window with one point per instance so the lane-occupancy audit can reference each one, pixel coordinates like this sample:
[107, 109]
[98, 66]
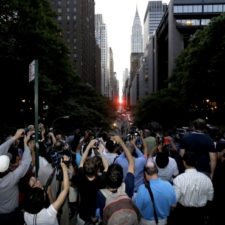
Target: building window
[217, 8]
[205, 22]
[59, 18]
[187, 9]
[177, 9]
[59, 10]
[197, 8]
[193, 22]
[208, 8]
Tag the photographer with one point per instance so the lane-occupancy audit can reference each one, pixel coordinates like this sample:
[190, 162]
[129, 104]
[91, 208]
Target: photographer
[9, 190]
[88, 183]
[35, 211]
[59, 151]
[139, 161]
[45, 168]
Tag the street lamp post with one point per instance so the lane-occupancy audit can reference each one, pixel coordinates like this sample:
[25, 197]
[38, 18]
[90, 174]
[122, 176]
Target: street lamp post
[58, 118]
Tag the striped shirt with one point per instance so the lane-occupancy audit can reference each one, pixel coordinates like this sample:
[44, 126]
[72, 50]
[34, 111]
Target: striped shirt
[193, 188]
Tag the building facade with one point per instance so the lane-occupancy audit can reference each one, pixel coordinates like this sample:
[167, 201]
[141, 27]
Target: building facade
[178, 25]
[153, 16]
[136, 54]
[137, 36]
[101, 40]
[113, 82]
[184, 18]
[76, 19]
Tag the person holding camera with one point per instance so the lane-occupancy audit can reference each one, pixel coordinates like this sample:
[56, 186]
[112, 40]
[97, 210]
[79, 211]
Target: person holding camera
[139, 162]
[9, 189]
[35, 200]
[88, 182]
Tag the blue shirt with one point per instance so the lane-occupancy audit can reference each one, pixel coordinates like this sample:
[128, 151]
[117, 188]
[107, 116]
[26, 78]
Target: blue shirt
[139, 162]
[164, 197]
[78, 158]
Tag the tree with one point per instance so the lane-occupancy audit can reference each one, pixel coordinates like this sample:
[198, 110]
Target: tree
[197, 85]
[28, 31]
[164, 107]
[200, 70]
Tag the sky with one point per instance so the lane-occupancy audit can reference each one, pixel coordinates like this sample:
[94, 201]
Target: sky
[118, 15]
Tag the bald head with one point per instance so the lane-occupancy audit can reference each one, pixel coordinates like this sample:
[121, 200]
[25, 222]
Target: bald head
[151, 169]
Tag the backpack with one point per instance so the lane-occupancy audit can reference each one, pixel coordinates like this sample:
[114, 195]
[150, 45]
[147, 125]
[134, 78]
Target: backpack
[119, 208]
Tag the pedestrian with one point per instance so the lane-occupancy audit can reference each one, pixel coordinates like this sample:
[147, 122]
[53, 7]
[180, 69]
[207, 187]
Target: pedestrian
[194, 190]
[199, 142]
[155, 198]
[35, 208]
[10, 212]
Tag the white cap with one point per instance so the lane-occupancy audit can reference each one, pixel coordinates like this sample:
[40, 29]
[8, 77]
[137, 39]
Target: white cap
[4, 163]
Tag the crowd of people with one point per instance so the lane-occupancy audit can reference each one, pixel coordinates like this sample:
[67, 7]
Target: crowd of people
[149, 177]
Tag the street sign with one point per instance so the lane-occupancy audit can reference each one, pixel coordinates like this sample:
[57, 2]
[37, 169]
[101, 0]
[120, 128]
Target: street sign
[32, 71]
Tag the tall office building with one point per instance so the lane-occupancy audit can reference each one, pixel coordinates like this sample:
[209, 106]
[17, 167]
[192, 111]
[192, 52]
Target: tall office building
[137, 36]
[153, 16]
[125, 76]
[101, 39]
[178, 25]
[136, 54]
[76, 18]
[113, 92]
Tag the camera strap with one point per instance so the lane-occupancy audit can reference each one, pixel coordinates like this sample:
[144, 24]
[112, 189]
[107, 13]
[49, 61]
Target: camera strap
[148, 187]
[49, 180]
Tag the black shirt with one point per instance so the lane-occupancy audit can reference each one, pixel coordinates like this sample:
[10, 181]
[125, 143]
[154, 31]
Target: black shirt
[87, 193]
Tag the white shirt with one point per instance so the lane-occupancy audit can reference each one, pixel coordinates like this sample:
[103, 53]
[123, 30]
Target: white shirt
[193, 188]
[168, 172]
[110, 157]
[44, 217]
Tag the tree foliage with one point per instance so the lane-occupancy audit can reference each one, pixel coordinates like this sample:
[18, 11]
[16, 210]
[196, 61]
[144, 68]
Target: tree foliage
[164, 107]
[197, 84]
[28, 31]
[200, 69]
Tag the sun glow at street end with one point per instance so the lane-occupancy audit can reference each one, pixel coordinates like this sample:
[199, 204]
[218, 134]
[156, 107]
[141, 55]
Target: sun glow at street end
[120, 100]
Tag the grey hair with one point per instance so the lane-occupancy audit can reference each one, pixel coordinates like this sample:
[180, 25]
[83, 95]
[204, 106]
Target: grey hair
[151, 168]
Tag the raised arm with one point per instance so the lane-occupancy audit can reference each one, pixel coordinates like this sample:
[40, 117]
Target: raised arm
[59, 201]
[85, 154]
[52, 137]
[126, 152]
[5, 146]
[145, 147]
[213, 162]
[25, 162]
[105, 163]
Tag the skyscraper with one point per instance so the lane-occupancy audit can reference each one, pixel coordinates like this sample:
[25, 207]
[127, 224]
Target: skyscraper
[137, 36]
[153, 16]
[101, 39]
[76, 19]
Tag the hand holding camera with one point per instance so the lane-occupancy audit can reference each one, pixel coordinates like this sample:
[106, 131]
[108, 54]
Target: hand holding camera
[65, 161]
[116, 139]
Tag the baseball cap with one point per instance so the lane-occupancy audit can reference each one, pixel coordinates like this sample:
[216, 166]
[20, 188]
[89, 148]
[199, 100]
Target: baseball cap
[4, 163]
